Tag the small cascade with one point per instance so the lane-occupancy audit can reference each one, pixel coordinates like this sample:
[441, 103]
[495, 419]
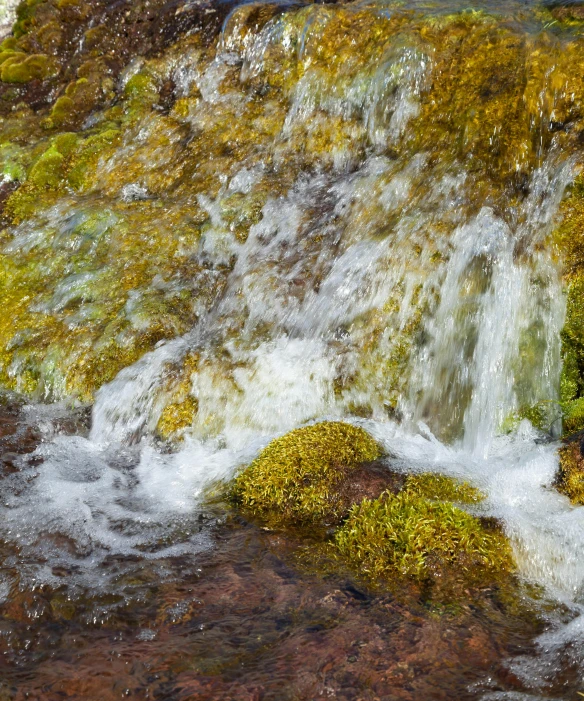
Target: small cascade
[7, 16]
[499, 294]
[373, 244]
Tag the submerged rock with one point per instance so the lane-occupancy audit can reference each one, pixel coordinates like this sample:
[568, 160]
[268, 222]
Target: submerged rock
[249, 624]
[569, 11]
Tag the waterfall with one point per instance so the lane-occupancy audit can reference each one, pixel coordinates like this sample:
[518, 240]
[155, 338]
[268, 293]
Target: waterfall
[469, 374]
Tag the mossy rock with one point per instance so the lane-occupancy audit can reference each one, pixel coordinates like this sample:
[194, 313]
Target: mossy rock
[545, 416]
[420, 533]
[573, 412]
[48, 170]
[15, 69]
[295, 478]
[570, 480]
[24, 17]
[569, 240]
[177, 417]
[87, 155]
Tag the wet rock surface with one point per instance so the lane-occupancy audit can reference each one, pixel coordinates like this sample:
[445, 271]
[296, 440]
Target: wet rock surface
[100, 37]
[249, 624]
[252, 618]
[137, 209]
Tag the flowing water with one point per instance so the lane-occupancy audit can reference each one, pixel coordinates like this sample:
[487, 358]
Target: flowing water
[399, 275]
[7, 16]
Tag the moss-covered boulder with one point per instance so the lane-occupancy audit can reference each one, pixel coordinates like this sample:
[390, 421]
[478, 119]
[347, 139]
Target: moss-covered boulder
[414, 527]
[297, 477]
[421, 533]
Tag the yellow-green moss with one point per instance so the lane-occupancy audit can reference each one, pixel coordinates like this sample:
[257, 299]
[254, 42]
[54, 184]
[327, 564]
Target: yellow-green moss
[48, 170]
[140, 93]
[294, 478]
[47, 174]
[571, 473]
[573, 413]
[545, 416]
[176, 417]
[569, 240]
[22, 68]
[441, 488]
[87, 155]
[416, 534]
[25, 13]
[5, 54]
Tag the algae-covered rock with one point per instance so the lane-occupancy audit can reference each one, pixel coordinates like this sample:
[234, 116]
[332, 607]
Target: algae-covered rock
[195, 152]
[22, 68]
[570, 479]
[569, 239]
[296, 477]
[420, 533]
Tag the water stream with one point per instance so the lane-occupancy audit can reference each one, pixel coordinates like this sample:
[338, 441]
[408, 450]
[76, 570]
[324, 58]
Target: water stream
[385, 284]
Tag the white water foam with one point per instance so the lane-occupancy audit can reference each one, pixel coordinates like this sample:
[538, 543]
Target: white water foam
[7, 16]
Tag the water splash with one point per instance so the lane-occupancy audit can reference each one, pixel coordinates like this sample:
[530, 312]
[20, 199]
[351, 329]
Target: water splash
[496, 291]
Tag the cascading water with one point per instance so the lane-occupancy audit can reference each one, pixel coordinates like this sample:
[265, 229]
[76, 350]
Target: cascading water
[7, 15]
[394, 281]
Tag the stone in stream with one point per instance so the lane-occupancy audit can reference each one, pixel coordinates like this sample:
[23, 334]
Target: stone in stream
[386, 526]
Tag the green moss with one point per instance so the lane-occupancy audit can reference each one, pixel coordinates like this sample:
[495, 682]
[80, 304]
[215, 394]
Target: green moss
[5, 54]
[80, 98]
[141, 90]
[25, 13]
[413, 534]
[48, 170]
[66, 143]
[573, 415]
[544, 415]
[9, 44]
[570, 479]
[442, 488]
[294, 477]
[570, 380]
[13, 160]
[87, 155]
[60, 112]
[15, 69]
[176, 417]
[569, 239]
